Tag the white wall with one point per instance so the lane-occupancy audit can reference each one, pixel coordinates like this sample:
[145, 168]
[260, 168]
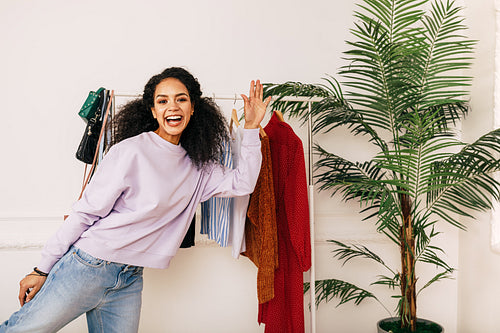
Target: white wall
[54, 52]
[479, 265]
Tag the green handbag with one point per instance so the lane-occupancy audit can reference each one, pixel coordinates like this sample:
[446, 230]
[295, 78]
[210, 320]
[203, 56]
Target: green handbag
[91, 104]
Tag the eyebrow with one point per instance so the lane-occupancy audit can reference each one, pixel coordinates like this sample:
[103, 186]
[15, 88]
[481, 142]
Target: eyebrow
[179, 94]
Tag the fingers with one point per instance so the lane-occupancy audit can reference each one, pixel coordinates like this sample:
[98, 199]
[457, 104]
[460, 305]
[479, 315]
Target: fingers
[29, 287]
[267, 101]
[32, 293]
[22, 294]
[245, 100]
[252, 89]
[256, 90]
[259, 90]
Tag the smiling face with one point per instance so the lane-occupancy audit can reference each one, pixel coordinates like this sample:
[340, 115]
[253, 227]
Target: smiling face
[172, 109]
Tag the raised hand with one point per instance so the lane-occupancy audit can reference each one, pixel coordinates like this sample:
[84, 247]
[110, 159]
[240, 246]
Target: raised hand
[255, 107]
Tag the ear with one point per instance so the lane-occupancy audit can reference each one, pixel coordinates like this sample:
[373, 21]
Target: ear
[192, 109]
[153, 112]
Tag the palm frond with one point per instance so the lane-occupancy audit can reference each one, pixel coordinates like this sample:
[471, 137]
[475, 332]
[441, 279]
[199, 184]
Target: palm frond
[391, 282]
[330, 92]
[445, 51]
[329, 113]
[372, 76]
[389, 216]
[355, 179]
[438, 277]
[424, 231]
[394, 16]
[379, 57]
[346, 292]
[430, 256]
[346, 252]
[464, 182]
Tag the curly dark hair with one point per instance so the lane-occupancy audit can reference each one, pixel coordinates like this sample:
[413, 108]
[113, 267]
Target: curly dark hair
[203, 138]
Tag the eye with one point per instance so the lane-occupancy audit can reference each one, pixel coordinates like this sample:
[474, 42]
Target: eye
[162, 101]
[182, 99]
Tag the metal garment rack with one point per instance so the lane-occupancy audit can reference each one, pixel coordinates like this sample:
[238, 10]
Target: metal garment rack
[309, 101]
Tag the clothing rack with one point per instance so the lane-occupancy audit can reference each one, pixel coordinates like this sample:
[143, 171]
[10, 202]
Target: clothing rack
[309, 100]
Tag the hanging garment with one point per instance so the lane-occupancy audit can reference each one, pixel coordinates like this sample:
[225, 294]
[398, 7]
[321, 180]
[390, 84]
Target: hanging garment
[103, 143]
[215, 212]
[239, 204]
[188, 240]
[260, 229]
[285, 312]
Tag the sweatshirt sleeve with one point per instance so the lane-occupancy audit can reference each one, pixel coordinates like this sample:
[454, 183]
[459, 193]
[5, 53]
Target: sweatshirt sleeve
[97, 201]
[224, 182]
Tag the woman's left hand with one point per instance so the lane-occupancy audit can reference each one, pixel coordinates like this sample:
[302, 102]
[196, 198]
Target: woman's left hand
[255, 107]
[29, 287]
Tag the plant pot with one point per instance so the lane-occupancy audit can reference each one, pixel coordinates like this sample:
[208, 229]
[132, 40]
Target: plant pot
[429, 326]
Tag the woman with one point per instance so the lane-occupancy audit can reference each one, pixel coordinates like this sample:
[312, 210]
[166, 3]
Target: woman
[138, 206]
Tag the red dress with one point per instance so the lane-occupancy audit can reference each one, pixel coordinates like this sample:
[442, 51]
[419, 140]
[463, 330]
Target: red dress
[285, 312]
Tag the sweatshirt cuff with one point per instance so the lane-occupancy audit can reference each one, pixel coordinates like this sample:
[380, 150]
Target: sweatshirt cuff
[250, 136]
[45, 265]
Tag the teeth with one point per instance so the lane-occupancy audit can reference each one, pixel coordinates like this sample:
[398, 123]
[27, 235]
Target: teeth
[174, 118]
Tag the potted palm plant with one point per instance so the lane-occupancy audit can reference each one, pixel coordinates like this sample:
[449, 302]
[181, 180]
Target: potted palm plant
[405, 92]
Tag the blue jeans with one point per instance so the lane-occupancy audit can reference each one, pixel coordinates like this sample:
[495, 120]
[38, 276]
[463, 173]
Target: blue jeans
[109, 293]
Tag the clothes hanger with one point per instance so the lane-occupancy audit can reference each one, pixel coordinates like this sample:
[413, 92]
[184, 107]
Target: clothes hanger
[279, 115]
[262, 132]
[234, 117]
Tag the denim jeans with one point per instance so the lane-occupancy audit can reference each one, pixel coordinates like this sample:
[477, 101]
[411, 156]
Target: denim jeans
[109, 293]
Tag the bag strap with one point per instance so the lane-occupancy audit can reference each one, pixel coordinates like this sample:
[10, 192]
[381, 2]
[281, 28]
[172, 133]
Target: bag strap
[87, 178]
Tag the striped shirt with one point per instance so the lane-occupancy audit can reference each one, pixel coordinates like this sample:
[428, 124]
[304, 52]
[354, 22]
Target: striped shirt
[216, 212]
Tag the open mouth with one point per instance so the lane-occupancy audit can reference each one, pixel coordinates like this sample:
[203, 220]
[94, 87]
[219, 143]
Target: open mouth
[174, 120]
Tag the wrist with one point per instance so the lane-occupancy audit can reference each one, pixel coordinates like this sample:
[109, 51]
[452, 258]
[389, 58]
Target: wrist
[39, 272]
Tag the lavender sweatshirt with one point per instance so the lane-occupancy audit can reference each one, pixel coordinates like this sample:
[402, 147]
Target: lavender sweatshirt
[140, 202]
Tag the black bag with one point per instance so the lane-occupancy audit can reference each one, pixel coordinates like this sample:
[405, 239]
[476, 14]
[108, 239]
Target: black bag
[90, 140]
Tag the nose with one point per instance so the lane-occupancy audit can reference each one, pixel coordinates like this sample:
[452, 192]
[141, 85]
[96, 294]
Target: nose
[174, 105]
